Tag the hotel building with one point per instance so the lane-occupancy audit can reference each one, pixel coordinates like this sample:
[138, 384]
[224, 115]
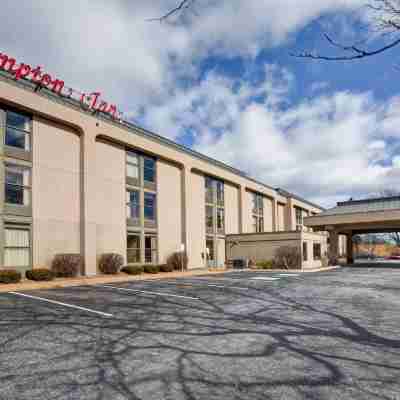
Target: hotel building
[74, 179]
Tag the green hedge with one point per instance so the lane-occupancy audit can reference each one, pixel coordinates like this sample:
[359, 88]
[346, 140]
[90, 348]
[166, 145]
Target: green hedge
[166, 268]
[40, 274]
[10, 276]
[265, 264]
[133, 269]
[151, 269]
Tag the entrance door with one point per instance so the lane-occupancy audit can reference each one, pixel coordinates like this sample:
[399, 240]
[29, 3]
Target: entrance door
[210, 253]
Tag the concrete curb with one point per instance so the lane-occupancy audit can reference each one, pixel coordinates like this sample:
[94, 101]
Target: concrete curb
[101, 279]
[297, 271]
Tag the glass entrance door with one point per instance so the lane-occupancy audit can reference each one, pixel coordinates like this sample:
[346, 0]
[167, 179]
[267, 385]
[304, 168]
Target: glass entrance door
[210, 252]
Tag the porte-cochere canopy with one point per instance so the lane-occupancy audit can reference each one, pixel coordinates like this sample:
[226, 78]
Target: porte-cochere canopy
[357, 217]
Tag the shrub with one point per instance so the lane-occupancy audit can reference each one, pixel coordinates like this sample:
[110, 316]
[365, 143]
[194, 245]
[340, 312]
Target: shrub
[66, 265]
[40, 274]
[178, 261]
[133, 269]
[10, 276]
[333, 260]
[151, 269]
[166, 268]
[111, 263]
[288, 257]
[265, 264]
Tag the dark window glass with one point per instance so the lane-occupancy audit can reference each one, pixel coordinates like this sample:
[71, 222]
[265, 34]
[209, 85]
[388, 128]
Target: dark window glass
[16, 138]
[133, 248]
[209, 217]
[260, 224]
[299, 216]
[150, 206]
[317, 251]
[150, 249]
[149, 169]
[18, 121]
[133, 204]
[305, 255]
[209, 190]
[220, 219]
[220, 192]
[16, 185]
[255, 224]
[210, 249]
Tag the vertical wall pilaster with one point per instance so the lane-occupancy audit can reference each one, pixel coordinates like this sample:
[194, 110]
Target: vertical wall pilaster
[242, 217]
[275, 221]
[88, 202]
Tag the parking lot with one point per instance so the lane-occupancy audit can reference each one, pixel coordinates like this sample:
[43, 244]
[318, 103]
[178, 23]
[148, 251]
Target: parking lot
[240, 335]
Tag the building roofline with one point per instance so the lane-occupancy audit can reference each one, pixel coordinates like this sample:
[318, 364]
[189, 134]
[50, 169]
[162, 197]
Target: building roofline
[367, 201]
[285, 193]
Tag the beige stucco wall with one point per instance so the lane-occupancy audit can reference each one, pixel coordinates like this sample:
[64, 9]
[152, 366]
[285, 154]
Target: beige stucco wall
[196, 221]
[55, 192]
[231, 209]
[268, 215]
[310, 239]
[247, 212]
[281, 217]
[110, 207]
[169, 209]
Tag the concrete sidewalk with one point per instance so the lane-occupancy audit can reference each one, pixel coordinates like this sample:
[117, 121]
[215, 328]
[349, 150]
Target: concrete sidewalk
[122, 277]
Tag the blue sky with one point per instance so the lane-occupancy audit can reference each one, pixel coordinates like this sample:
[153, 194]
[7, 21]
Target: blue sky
[221, 80]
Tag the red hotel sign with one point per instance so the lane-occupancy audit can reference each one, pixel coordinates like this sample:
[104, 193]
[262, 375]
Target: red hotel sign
[89, 101]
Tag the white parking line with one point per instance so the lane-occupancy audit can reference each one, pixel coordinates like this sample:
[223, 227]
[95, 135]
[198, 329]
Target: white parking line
[149, 292]
[288, 274]
[61, 304]
[263, 278]
[203, 284]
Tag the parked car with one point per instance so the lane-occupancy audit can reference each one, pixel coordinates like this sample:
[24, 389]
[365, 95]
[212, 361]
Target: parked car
[393, 257]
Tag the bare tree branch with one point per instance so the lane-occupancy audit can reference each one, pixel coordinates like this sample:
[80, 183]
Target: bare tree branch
[184, 4]
[387, 22]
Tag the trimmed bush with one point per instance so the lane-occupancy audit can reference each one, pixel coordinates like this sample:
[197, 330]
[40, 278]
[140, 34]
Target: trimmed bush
[151, 269]
[66, 265]
[40, 274]
[178, 261]
[265, 264]
[166, 268]
[10, 276]
[288, 257]
[111, 263]
[133, 269]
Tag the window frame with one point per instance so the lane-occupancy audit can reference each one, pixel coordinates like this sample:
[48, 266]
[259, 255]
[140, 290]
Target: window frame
[153, 169]
[26, 188]
[131, 204]
[27, 132]
[318, 256]
[23, 228]
[129, 163]
[221, 228]
[136, 249]
[154, 196]
[153, 239]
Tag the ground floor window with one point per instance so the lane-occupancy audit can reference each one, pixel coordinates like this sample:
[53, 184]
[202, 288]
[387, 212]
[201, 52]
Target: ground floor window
[133, 248]
[305, 255]
[150, 249]
[210, 249]
[17, 250]
[317, 251]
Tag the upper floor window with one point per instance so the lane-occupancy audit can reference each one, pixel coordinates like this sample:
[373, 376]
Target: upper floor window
[17, 185]
[299, 217]
[149, 169]
[133, 203]
[209, 217]
[220, 219]
[18, 129]
[209, 190]
[220, 192]
[149, 206]
[132, 165]
[258, 204]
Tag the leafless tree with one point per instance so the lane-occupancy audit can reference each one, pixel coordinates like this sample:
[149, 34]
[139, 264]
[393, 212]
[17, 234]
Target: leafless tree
[387, 26]
[180, 7]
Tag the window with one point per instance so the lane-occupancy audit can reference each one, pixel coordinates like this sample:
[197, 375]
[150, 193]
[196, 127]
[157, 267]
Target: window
[220, 192]
[220, 219]
[209, 217]
[209, 190]
[305, 255]
[17, 251]
[210, 249]
[133, 203]
[133, 248]
[258, 212]
[260, 224]
[317, 251]
[132, 165]
[150, 249]
[18, 129]
[149, 206]
[17, 190]
[149, 169]
[299, 217]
